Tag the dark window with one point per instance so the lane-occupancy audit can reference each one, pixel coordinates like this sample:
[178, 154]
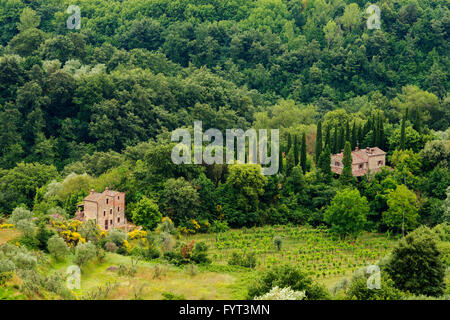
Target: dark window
[110, 221]
[118, 197]
[110, 211]
[118, 220]
[107, 200]
[104, 213]
[361, 166]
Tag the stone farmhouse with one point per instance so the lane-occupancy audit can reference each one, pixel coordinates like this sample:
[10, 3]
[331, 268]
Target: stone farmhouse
[106, 208]
[364, 160]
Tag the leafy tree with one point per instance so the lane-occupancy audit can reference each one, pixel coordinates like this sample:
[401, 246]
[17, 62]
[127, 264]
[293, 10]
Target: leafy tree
[179, 200]
[285, 276]
[415, 264]
[57, 247]
[402, 214]
[347, 213]
[146, 213]
[84, 253]
[435, 153]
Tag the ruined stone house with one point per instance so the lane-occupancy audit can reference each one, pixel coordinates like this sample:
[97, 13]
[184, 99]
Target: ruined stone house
[106, 208]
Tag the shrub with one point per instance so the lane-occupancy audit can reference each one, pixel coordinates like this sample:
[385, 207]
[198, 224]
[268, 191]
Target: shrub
[172, 296]
[6, 265]
[359, 290]
[84, 253]
[25, 261]
[167, 241]
[278, 242]
[20, 214]
[416, 264]
[218, 226]
[57, 247]
[277, 293]
[200, 254]
[42, 236]
[90, 231]
[26, 227]
[116, 236]
[111, 247]
[285, 276]
[247, 260]
[152, 253]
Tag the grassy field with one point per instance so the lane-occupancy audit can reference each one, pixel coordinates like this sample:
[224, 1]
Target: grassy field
[327, 259]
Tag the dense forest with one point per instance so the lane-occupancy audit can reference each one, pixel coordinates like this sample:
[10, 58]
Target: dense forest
[94, 107]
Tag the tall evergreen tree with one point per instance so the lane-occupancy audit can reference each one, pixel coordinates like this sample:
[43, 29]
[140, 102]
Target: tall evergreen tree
[295, 150]
[280, 160]
[354, 135]
[303, 153]
[335, 141]
[290, 161]
[382, 143]
[360, 136]
[318, 140]
[341, 139]
[327, 137]
[347, 131]
[289, 144]
[347, 160]
[324, 165]
[374, 132]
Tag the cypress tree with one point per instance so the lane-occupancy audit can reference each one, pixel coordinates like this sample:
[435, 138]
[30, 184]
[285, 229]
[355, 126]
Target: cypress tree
[318, 140]
[374, 132]
[303, 153]
[325, 164]
[402, 132]
[295, 150]
[347, 132]
[327, 137]
[381, 133]
[290, 162]
[347, 160]
[280, 160]
[335, 141]
[418, 122]
[354, 136]
[360, 136]
[289, 143]
[341, 139]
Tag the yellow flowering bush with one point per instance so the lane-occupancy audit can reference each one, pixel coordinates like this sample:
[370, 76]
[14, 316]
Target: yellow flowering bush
[127, 245]
[69, 232]
[137, 234]
[6, 226]
[166, 219]
[71, 238]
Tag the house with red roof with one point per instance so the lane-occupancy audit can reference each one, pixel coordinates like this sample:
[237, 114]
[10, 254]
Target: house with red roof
[364, 160]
